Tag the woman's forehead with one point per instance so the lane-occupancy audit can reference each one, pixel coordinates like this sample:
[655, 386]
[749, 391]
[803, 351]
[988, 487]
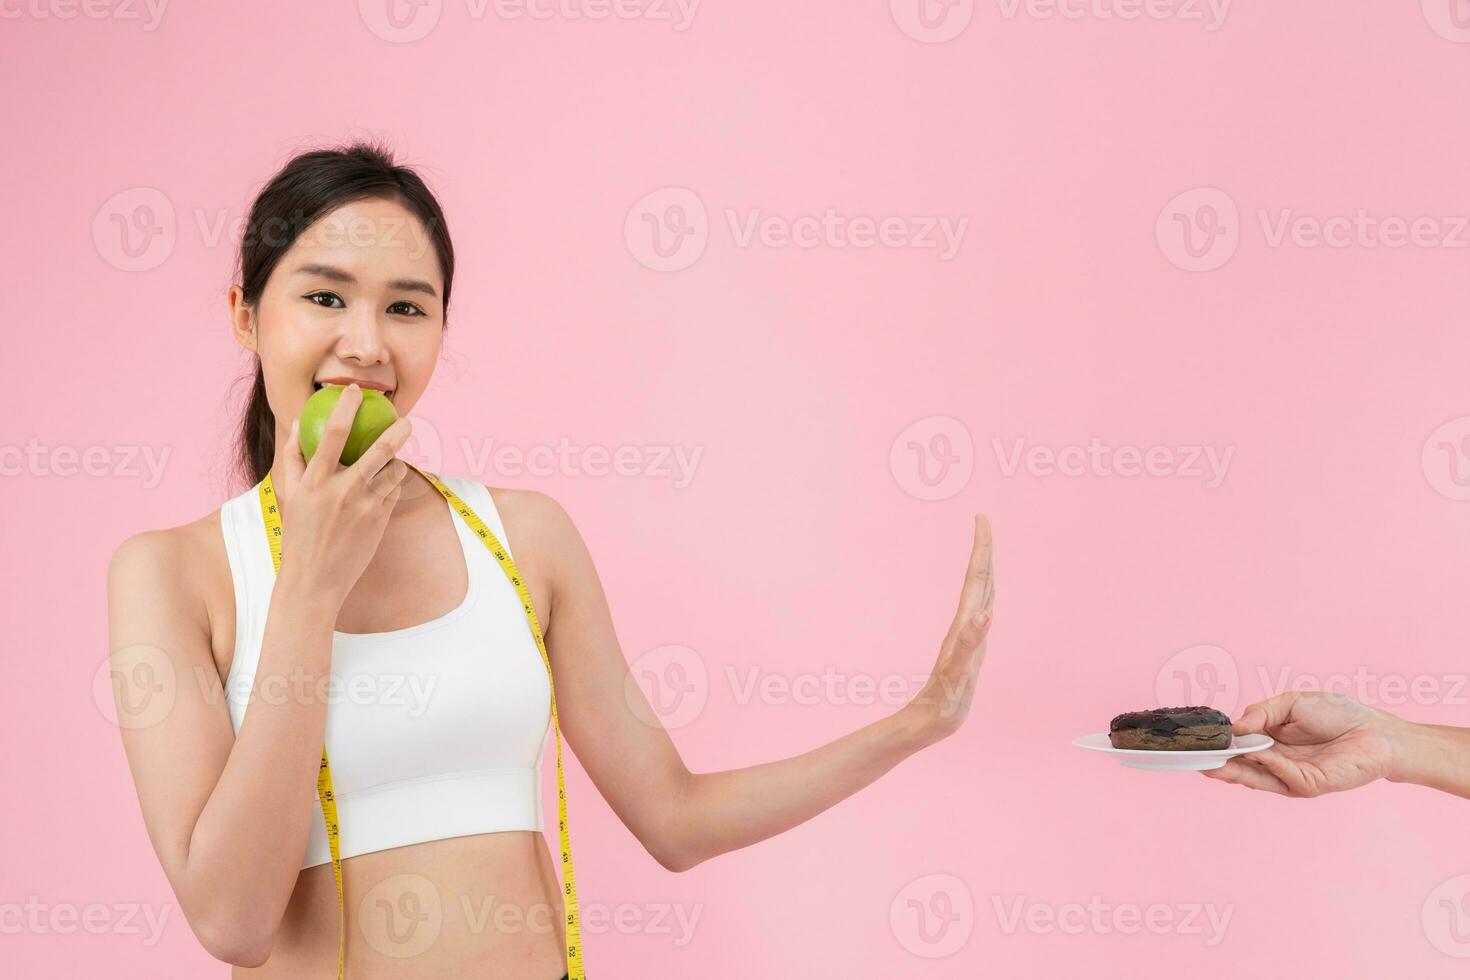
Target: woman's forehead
[377, 239]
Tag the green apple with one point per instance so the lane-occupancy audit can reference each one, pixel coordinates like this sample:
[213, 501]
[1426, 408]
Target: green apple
[374, 414]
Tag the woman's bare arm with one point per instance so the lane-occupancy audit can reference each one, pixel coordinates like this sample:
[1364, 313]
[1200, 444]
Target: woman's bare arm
[228, 817]
[684, 818]
[1437, 756]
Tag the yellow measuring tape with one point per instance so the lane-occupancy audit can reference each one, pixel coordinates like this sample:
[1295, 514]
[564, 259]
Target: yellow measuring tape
[271, 512]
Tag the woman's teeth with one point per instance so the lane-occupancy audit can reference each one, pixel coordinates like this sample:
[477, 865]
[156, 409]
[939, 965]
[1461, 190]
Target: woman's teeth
[317, 386]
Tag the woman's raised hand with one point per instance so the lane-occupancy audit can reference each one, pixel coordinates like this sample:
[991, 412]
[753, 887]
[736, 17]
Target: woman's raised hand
[942, 704]
[333, 516]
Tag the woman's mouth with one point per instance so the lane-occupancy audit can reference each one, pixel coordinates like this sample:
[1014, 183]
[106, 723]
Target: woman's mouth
[319, 385]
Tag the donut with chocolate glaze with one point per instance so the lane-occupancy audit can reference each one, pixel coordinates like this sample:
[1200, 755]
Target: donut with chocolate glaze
[1171, 729]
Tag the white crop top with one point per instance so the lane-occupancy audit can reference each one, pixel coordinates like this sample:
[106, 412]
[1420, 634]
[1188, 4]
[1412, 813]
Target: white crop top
[433, 731]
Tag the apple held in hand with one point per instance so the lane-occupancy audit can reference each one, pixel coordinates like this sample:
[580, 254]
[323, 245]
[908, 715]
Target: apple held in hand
[374, 415]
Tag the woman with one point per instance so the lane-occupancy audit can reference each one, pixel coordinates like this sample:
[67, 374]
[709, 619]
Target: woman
[345, 275]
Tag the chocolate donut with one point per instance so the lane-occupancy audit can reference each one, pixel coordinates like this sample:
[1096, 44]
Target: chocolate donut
[1171, 729]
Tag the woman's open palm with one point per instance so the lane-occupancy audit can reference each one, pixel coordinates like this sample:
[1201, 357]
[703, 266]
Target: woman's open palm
[944, 701]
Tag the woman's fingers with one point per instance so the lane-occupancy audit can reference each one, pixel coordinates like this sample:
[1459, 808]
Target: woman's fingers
[294, 462]
[1245, 774]
[293, 465]
[335, 432]
[1286, 771]
[1266, 715]
[978, 594]
[384, 448]
[388, 482]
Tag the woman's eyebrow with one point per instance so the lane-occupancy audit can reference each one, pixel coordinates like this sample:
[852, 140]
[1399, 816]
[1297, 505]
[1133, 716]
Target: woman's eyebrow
[341, 275]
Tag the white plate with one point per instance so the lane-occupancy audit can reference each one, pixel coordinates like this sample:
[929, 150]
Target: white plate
[1163, 760]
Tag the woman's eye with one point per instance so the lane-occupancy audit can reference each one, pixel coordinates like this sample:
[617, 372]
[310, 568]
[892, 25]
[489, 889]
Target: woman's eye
[402, 306]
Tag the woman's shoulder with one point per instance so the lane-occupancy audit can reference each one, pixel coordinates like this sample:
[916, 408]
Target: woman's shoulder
[187, 559]
[181, 547]
[525, 502]
[532, 516]
[540, 532]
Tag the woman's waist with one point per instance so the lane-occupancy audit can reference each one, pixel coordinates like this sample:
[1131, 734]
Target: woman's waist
[464, 906]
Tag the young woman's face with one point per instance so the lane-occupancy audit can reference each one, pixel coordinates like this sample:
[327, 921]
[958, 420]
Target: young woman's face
[357, 297]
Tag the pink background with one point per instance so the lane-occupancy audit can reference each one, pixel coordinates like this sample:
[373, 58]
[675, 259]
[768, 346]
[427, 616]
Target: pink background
[1073, 310]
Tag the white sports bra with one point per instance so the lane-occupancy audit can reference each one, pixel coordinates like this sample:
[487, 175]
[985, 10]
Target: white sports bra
[435, 730]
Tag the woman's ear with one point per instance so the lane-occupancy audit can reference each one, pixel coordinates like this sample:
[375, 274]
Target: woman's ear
[242, 319]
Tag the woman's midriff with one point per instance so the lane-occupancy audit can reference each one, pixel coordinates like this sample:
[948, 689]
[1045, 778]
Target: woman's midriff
[484, 905]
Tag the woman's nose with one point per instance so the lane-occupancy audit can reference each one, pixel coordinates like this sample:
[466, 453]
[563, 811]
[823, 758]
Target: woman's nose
[362, 337]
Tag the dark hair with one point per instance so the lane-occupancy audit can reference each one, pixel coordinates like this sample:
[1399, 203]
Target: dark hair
[309, 186]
